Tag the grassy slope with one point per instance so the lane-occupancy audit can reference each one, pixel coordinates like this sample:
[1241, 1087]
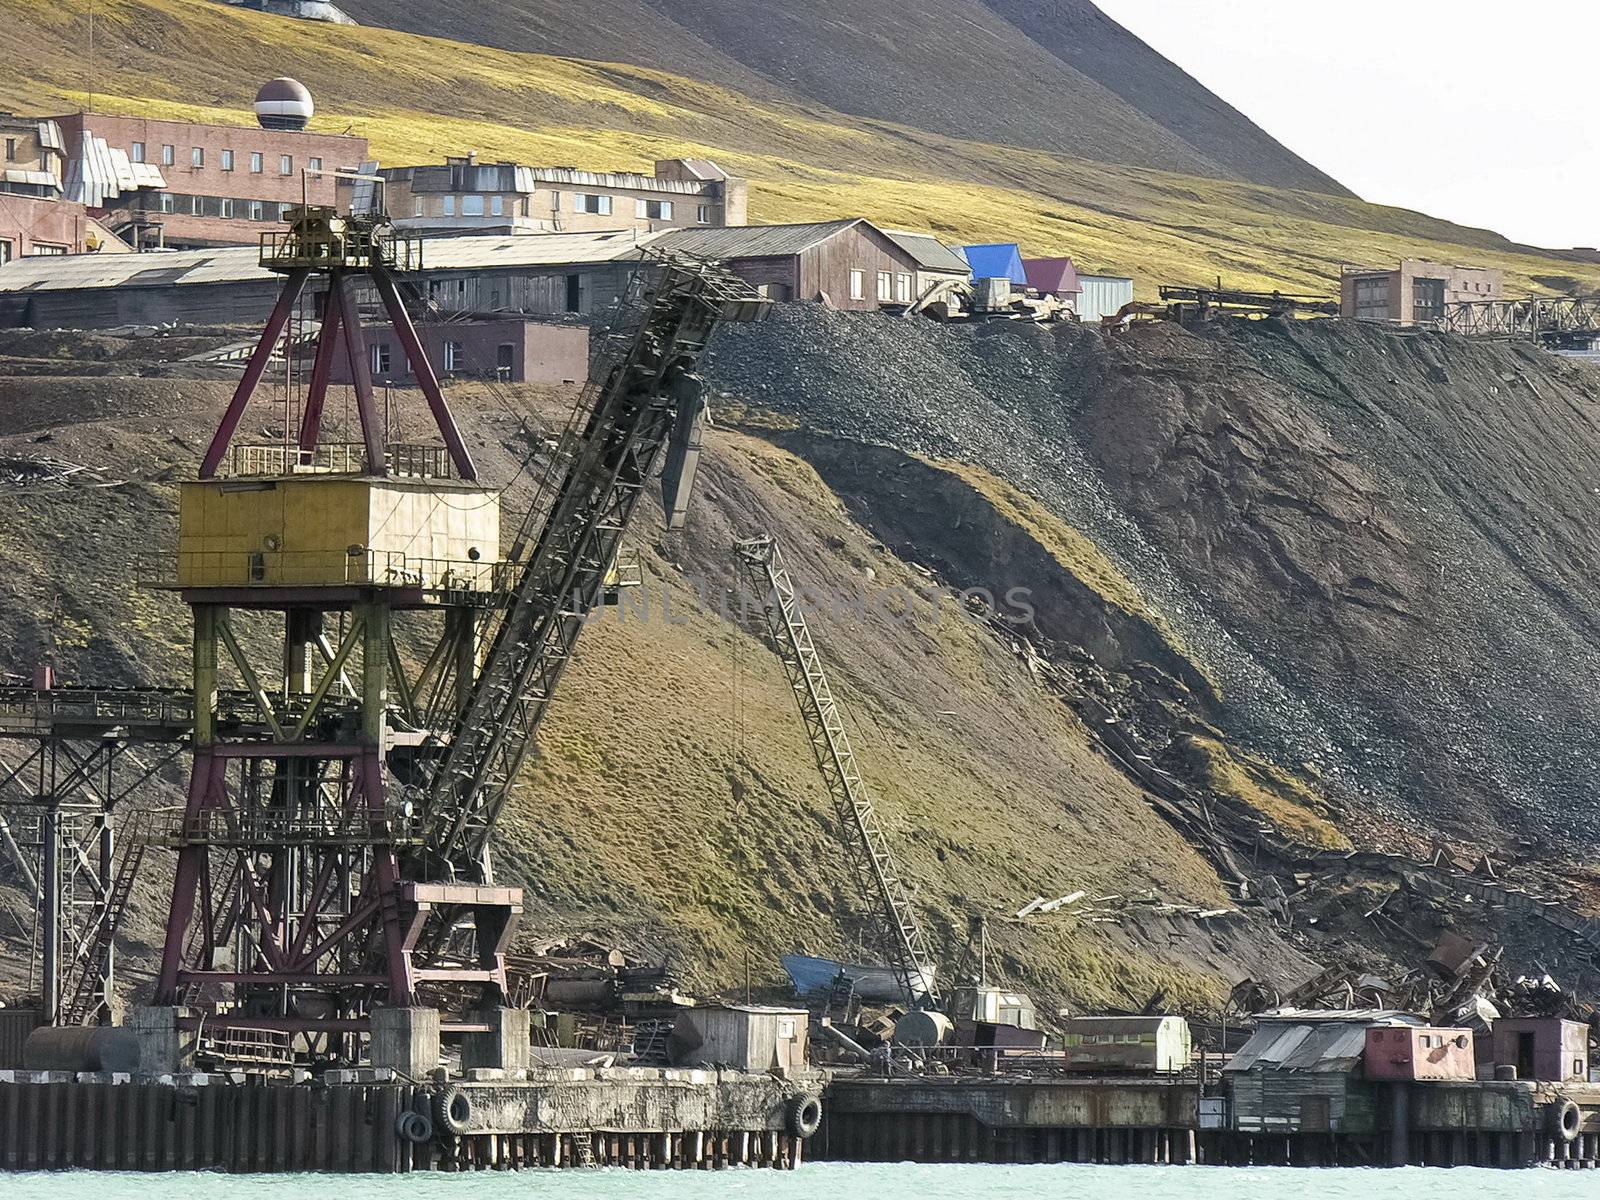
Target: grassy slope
[418, 98]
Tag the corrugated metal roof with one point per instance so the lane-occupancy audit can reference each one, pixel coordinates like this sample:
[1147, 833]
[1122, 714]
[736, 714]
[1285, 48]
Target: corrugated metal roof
[39, 178]
[101, 173]
[754, 241]
[50, 136]
[931, 254]
[1312, 1041]
[241, 264]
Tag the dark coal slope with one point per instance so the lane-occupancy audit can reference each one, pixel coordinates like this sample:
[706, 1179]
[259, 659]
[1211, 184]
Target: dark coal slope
[1377, 546]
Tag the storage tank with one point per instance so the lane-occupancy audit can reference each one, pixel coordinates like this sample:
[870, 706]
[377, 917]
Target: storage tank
[923, 1027]
[81, 1048]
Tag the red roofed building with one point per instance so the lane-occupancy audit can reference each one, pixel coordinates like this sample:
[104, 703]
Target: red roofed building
[1052, 277]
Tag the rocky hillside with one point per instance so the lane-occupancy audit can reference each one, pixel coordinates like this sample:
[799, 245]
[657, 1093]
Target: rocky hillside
[1061, 76]
[1287, 589]
[1376, 549]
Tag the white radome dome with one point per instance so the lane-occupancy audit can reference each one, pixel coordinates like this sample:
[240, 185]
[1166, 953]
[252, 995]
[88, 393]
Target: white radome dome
[284, 104]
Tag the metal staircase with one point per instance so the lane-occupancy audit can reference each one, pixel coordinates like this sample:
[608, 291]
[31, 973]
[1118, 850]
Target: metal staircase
[86, 997]
[906, 947]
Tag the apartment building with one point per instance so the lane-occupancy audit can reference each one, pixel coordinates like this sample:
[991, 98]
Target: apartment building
[34, 217]
[463, 195]
[186, 185]
[1414, 293]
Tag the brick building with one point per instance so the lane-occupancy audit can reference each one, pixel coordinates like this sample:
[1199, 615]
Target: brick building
[510, 349]
[193, 185]
[463, 195]
[1414, 293]
[34, 218]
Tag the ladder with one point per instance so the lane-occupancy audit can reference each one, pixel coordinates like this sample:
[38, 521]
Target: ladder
[906, 946]
[88, 996]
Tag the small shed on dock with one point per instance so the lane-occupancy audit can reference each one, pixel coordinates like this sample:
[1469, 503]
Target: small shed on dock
[751, 1037]
[1140, 1044]
[1300, 1072]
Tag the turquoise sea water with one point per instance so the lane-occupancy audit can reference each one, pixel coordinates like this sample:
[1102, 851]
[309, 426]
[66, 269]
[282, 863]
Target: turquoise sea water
[826, 1181]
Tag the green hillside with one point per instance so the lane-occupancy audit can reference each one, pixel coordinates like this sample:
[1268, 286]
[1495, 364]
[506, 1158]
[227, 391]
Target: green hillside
[419, 98]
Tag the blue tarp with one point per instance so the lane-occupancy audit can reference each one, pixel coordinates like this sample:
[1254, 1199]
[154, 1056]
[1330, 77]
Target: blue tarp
[1002, 260]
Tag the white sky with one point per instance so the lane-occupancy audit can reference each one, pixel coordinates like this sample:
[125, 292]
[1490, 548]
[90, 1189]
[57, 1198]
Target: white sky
[1479, 111]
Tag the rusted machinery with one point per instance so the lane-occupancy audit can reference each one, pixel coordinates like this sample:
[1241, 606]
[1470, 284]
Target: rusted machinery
[878, 879]
[333, 855]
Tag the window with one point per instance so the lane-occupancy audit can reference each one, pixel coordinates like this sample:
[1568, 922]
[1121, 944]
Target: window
[1372, 299]
[902, 288]
[594, 204]
[257, 164]
[45, 249]
[455, 356]
[555, 202]
[197, 206]
[497, 206]
[11, 149]
[169, 155]
[136, 152]
[703, 214]
[228, 208]
[885, 287]
[197, 156]
[1427, 300]
[448, 206]
[418, 207]
[227, 160]
[286, 164]
[314, 164]
[380, 358]
[5, 252]
[472, 206]
[858, 285]
[258, 210]
[169, 202]
[654, 210]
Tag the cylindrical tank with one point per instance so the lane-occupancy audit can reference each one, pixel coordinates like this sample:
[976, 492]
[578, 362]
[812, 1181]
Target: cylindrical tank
[923, 1027]
[81, 1049]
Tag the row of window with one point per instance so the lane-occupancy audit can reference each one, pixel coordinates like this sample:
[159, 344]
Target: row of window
[221, 206]
[8, 250]
[453, 359]
[892, 288]
[583, 202]
[197, 159]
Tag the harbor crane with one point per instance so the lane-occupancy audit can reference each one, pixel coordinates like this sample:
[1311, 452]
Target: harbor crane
[334, 849]
[878, 876]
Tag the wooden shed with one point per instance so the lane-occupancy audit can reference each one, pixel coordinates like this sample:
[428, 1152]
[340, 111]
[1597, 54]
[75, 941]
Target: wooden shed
[750, 1037]
[1300, 1072]
[1146, 1044]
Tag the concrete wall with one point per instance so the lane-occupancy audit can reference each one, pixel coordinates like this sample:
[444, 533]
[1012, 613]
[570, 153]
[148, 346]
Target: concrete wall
[1042, 1103]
